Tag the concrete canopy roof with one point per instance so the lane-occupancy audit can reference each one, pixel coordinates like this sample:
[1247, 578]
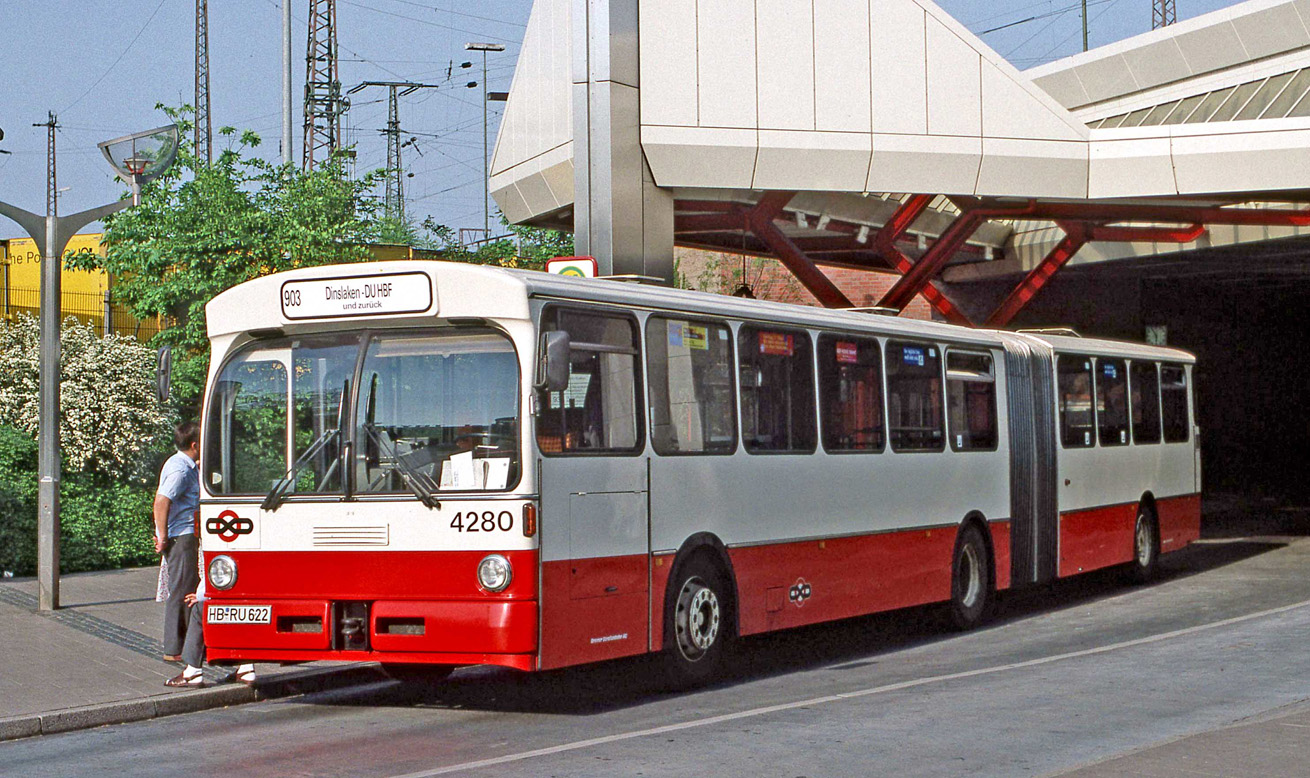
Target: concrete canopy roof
[784, 99]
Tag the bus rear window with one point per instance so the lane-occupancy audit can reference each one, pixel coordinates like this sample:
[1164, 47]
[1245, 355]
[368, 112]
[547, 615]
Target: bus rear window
[1173, 403]
[1112, 402]
[850, 387]
[777, 391]
[971, 401]
[914, 396]
[1145, 385]
[1077, 419]
[691, 393]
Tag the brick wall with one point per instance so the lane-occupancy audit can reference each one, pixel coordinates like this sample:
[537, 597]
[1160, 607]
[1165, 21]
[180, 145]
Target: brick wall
[721, 273]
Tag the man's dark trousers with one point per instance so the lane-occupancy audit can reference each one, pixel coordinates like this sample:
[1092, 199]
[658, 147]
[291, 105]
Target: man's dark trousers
[183, 578]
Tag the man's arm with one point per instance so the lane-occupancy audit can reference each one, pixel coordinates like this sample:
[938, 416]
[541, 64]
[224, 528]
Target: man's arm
[162, 504]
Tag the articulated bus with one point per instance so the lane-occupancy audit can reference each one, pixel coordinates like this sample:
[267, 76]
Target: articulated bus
[437, 464]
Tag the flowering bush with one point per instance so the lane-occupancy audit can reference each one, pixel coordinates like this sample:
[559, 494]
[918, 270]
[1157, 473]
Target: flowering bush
[110, 419]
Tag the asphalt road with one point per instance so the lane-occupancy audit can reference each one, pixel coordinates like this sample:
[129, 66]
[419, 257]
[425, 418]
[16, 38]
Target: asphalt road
[1063, 677]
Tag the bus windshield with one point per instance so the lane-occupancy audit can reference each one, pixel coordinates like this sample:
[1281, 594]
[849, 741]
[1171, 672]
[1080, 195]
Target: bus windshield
[438, 409]
[435, 410]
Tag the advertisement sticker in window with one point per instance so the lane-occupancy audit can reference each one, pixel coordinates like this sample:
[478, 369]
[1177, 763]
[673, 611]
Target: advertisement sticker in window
[776, 343]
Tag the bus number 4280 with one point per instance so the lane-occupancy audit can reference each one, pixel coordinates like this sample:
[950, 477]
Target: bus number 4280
[487, 521]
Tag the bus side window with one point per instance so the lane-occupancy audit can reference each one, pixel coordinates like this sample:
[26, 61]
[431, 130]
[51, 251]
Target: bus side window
[1173, 403]
[597, 411]
[850, 389]
[691, 393]
[1077, 418]
[971, 401]
[777, 390]
[1144, 379]
[914, 396]
[1112, 402]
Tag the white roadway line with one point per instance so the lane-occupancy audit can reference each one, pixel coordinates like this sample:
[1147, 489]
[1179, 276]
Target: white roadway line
[712, 720]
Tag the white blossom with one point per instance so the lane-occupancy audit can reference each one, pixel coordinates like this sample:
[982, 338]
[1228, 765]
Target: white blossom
[110, 419]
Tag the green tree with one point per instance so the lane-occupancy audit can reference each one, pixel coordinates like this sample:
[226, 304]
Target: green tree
[201, 229]
[523, 247]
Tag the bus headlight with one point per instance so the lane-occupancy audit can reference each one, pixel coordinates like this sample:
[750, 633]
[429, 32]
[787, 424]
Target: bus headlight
[494, 573]
[222, 572]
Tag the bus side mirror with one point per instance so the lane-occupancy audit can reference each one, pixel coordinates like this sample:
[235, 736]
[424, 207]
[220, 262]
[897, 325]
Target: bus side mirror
[553, 369]
[163, 372]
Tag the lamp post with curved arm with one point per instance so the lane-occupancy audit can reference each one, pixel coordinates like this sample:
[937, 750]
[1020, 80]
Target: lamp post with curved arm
[138, 158]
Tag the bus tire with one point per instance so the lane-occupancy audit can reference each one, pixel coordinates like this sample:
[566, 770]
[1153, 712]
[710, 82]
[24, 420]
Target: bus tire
[1146, 547]
[971, 579]
[417, 674]
[697, 627]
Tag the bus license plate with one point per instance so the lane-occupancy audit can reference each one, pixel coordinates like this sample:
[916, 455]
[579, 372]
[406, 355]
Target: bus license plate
[240, 614]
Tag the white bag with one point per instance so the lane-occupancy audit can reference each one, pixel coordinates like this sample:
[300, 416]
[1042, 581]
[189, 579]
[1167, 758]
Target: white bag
[161, 592]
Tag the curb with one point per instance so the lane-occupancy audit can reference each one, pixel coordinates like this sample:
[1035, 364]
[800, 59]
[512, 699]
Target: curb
[124, 711]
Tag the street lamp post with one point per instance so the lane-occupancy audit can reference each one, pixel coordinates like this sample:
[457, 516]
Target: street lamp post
[486, 174]
[150, 153]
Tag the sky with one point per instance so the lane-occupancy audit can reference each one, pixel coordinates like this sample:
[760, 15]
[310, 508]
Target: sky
[111, 61]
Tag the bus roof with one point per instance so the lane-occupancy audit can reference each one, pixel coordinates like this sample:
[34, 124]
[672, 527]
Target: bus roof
[479, 291]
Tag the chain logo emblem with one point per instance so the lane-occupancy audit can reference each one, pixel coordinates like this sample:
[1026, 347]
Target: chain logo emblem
[799, 592]
[228, 526]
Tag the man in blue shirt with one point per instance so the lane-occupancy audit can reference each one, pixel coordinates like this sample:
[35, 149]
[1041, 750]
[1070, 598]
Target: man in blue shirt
[177, 505]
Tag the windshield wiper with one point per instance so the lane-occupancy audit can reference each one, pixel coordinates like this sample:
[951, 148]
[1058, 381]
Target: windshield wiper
[280, 489]
[419, 483]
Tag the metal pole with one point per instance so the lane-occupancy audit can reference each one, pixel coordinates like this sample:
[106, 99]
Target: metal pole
[286, 82]
[486, 185]
[47, 533]
[1084, 25]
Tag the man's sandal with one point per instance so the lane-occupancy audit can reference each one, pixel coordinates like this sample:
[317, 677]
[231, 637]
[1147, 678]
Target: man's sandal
[183, 681]
[240, 676]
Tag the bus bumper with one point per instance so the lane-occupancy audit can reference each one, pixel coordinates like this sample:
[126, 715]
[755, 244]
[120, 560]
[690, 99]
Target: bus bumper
[396, 631]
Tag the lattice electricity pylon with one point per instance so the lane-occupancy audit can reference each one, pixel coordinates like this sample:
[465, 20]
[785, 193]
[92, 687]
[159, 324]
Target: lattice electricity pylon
[1163, 14]
[395, 192]
[204, 128]
[323, 101]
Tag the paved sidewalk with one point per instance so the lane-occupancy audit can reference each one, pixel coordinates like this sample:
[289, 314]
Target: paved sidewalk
[1274, 745]
[99, 658]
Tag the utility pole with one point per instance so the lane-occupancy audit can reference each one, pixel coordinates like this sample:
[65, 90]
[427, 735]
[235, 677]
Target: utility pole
[1084, 25]
[486, 155]
[1163, 14]
[323, 102]
[395, 193]
[286, 82]
[204, 129]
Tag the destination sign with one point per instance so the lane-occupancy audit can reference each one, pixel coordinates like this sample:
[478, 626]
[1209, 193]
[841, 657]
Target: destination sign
[387, 294]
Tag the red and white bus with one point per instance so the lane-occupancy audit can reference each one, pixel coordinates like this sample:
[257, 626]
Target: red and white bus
[428, 463]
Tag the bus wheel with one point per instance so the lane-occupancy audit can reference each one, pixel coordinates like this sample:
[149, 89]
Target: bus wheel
[417, 673]
[971, 580]
[1146, 547]
[697, 625]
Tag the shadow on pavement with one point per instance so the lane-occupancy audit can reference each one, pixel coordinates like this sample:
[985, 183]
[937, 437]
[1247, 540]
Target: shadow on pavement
[837, 646]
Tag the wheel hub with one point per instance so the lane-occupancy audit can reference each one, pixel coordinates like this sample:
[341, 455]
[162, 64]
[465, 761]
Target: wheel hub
[697, 620]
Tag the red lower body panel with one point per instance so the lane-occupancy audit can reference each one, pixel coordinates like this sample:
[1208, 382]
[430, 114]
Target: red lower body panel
[1101, 537]
[593, 609]
[422, 607]
[794, 584]
[1180, 521]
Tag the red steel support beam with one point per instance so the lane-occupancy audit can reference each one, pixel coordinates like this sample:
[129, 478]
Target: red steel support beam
[1147, 234]
[760, 222]
[1075, 235]
[1176, 214]
[893, 231]
[923, 271]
